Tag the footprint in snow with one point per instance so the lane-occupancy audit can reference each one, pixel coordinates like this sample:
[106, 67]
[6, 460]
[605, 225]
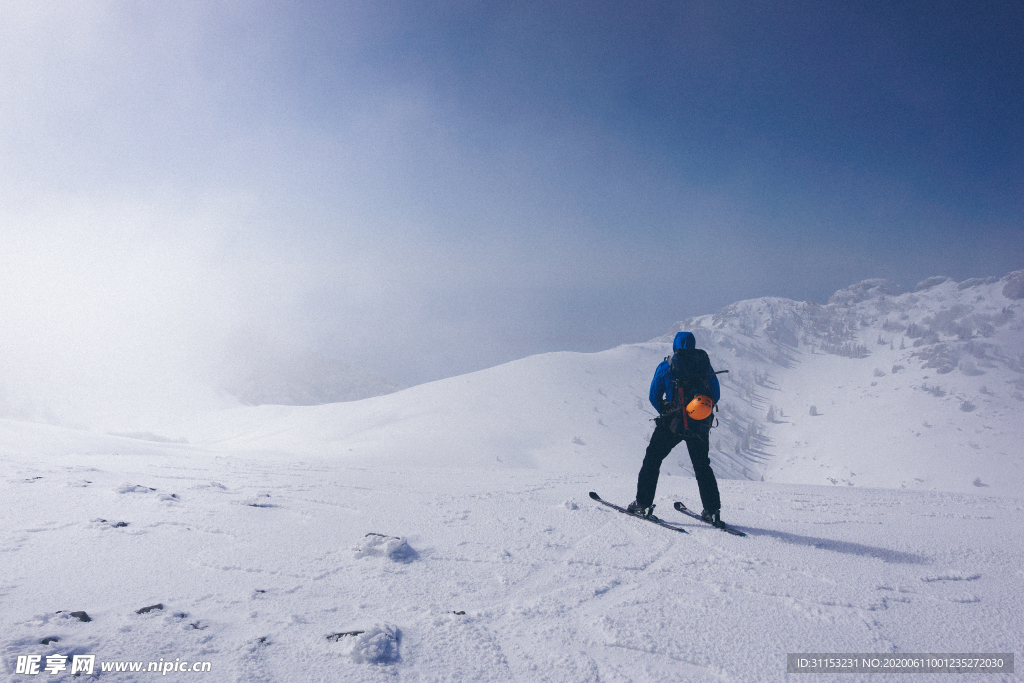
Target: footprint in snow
[103, 523]
[134, 488]
[260, 500]
[952, 576]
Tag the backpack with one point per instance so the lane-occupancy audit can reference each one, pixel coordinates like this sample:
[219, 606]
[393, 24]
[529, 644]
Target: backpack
[689, 370]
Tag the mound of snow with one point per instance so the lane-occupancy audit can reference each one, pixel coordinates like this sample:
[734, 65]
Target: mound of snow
[378, 644]
[394, 548]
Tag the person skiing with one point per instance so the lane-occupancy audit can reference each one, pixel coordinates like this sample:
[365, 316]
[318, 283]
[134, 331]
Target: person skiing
[679, 391]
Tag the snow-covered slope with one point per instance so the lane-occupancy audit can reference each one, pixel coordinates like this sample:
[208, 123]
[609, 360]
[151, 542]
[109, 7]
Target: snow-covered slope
[559, 411]
[877, 388]
[258, 566]
[919, 390]
[443, 533]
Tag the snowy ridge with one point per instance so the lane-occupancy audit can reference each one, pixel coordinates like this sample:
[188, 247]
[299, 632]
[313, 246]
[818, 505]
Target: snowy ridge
[919, 389]
[916, 390]
[556, 411]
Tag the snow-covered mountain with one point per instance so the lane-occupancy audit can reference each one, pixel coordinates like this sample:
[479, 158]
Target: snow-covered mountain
[443, 532]
[876, 388]
[879, 387]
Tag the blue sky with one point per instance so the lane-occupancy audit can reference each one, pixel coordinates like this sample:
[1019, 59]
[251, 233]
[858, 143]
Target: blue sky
[431, 188]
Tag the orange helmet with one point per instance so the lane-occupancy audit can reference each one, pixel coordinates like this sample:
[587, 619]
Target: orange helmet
[700, 407]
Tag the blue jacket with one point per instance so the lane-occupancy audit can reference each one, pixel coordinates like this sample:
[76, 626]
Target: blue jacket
[662, 382]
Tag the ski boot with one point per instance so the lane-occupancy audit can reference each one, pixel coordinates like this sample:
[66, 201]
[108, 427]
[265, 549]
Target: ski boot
[635, 508]
[714, 517]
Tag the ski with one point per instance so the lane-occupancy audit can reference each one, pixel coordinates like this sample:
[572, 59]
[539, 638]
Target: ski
[653, 520]
[724, 527]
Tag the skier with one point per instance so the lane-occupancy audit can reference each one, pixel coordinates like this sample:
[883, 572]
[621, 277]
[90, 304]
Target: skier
[685, 376]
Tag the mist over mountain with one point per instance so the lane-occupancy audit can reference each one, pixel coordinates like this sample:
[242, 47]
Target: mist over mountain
[259, 374]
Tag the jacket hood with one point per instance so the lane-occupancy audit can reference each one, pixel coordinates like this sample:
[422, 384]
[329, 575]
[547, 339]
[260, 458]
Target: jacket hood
[684, 340]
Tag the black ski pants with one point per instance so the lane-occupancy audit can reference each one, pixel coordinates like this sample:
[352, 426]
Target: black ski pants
[662, 442]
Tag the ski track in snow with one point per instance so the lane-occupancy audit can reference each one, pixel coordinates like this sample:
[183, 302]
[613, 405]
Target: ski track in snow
[553, 586]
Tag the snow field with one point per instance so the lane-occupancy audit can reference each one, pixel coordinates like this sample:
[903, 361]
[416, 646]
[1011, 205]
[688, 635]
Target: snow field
[444, 533]
[257, 563]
